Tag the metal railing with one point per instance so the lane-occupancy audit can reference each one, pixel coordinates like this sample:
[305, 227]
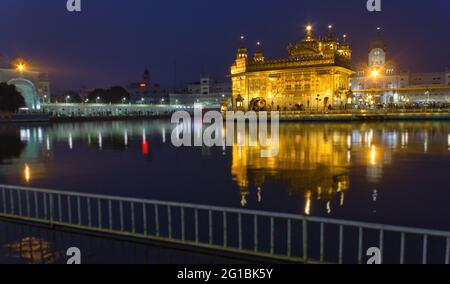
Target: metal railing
[276, 236]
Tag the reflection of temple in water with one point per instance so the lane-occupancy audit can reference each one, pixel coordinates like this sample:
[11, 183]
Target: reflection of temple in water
[315, 159]
[311, 162]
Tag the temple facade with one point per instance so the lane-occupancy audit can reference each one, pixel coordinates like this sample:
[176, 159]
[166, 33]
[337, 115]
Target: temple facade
[314, 76]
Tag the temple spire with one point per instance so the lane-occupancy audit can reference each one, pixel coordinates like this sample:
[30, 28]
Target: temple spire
[309, 32]
[330, 31]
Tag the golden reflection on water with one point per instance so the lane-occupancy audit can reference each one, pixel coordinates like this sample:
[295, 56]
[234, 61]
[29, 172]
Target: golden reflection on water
[315, 159]
[27, 173]
[33, 250]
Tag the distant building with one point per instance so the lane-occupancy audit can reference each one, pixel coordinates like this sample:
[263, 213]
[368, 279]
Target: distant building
[32, 84]
[382, 82]
[145, 92]
[314, 75]
[207, 93]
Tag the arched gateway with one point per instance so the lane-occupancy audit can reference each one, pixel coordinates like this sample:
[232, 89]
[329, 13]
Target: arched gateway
[28, 91]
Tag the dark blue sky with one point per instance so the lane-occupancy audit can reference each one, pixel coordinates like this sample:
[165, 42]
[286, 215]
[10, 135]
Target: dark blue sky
[111, 41]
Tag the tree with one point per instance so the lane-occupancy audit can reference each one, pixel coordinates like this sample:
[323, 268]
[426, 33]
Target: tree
[114, 95]
[10, 99]
[72, 97]
[97, 96]
[118, 95]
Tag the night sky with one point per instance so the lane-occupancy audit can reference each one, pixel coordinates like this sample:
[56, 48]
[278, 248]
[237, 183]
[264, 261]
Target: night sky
[111, 41]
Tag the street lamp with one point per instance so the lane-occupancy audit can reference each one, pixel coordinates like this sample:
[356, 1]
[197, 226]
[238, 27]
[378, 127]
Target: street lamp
[97, 99]
[67, 99]
[375, 73]
[21, 67]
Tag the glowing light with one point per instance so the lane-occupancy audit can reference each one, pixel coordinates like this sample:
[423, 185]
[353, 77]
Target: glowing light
[308, 204]
[309, 28]
[27, 173]
[21, 67]
[328, 207]
[375, 73]
[373, 156]
[47, 143]
[70, 141]
[100, 140]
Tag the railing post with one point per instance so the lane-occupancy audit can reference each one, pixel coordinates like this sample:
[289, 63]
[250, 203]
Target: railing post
[144, 217]
[196, 225]
[99, 212]
[27, 200]
[169, 217]
[210, 221]
[79, 210]
[121, 216]
[360, 245]
[110, 221]
[255, 233]
[382, 244]
[183, 237]
[89, 212]
[59, 208]
[69, 208]
[133, 219]
[157, 219]
[425, 250]
[322, 242]
[225, 231]
[52, 209]
[240, 230]
[341, 243]
[44, 196]
[447, 253]
[19, 199]
[289, 237]
[4, 200]
[36, 205]
[305, 239]
[272, 237]
[402, 249]
[11, 199]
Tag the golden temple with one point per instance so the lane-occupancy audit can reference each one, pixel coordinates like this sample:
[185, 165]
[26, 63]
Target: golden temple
[315, 75]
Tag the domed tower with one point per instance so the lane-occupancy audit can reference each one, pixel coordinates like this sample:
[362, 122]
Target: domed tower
[242, 52]
[259, 55]
[377, 51]
[344, 49]
[330, 42]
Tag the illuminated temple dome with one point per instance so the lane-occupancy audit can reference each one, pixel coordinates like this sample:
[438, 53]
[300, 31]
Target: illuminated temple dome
[315, 74]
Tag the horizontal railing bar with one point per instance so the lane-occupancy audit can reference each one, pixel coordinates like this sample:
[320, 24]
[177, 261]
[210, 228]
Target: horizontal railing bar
[390, 228]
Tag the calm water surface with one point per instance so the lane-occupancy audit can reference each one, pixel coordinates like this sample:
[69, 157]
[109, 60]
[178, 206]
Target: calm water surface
[395, 173]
